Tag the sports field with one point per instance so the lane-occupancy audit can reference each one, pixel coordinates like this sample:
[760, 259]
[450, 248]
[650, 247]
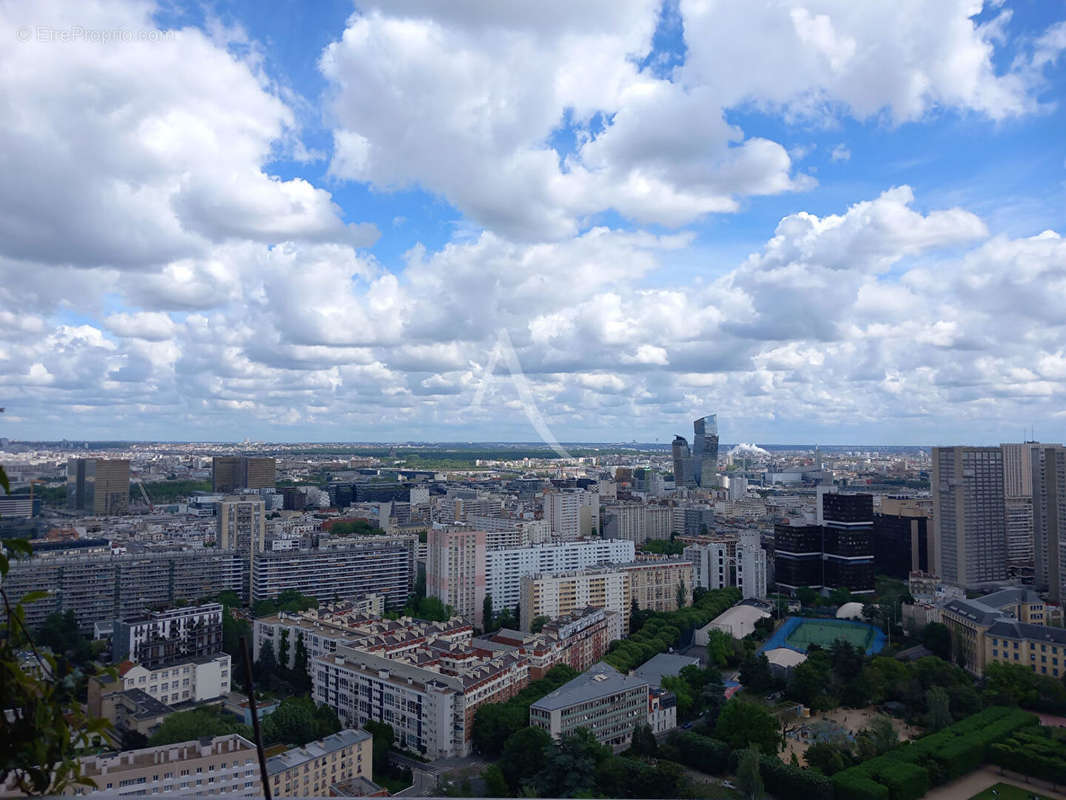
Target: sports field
[825, 633]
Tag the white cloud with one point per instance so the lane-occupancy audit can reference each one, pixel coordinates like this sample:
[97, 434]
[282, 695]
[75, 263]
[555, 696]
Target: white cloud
[840, 153]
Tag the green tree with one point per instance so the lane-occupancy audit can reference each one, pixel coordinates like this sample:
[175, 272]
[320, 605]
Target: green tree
[682, 594]
[384, 736]
[847, 661]
[60, 633]
[742, 723]
[185, 726]
[495, 783]
[937, 638]
[538, 624]
[494, 723]
[297, 721]
[486, 613]
[524, 756]
[570, 767]
[839, 596]
[644, 742]
[266, 666]
[939, 704]
[809, 680]
[635, 620]
[755, 674]
[826, 757]
[807, 596]
[878, 738]
[749, 778]
[301, 675]
[283, 650]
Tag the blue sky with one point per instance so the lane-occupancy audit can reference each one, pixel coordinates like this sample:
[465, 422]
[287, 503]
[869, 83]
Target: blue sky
[291, 221]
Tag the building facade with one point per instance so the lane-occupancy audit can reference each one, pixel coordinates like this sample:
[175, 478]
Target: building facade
[157, 638]
[455, 570]
[229, 473]
[314, 769]
[555, 594]
[1049, 519]
[98, 486]
[657, 584]
[194, 681]
[969, 515]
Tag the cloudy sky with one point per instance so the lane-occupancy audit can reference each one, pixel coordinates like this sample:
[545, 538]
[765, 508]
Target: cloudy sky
[827, 221]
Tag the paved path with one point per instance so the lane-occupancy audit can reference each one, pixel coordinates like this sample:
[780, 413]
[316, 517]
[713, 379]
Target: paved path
[969, 785]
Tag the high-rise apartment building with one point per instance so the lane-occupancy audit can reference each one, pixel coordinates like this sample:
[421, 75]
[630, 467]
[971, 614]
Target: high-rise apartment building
[562, 509]
[241, 526]
[730, 562]
[455, 570]
[98, 485]
[506, 567]
[969, 515]
[160, 638]
[229, 473]
[654, 584]
[1049, 519]
[554, 594]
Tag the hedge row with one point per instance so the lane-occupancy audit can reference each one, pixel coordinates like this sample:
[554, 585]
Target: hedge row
[717, 758]
[1040, 753]
[910, 770]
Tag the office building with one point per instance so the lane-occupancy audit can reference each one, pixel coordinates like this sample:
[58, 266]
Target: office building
[506, 567]
[691, 520]
[797, 555]
[103, 588]
[194, 680]
[98, 486]
[697, 466]
[682, 458]
[230, 473]
[19, 505]
[603, 701]
[902, 537]
[455, 571]
[346, 571]
[1018, 502]
[315, 769]
[1049, 519]
[969, 515]
[159, 638]
[555, 594]
[847, 542]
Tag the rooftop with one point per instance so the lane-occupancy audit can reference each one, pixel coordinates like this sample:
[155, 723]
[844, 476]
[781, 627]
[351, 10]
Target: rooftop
[1010, 629]
[309, 752]
[601, 680]
[663, 665]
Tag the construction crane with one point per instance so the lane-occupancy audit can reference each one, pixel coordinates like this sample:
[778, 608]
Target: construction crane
[144, 494]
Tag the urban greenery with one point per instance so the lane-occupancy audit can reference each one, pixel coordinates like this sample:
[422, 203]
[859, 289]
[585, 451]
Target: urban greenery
[495, 723]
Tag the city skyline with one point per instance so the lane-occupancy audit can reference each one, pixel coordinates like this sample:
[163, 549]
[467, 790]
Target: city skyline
[321, 223]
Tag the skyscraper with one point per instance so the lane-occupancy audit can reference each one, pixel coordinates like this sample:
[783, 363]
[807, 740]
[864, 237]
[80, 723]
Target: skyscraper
[1049, 518]
[241, 472]
[698, 466]
[242, 527]
[455, 570]
[1018, 503]
[98, 485]
[969, 516]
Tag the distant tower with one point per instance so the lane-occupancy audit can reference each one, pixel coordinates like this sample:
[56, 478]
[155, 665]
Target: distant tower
[682, 462]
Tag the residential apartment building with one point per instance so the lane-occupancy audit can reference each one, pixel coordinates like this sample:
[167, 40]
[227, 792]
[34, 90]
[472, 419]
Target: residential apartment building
[603, 701]
[348, 570]
[691, 520]
[98, 485]
[655, 584]
[554, 594]
[241, 526]
[193, 681]
[455, 570]
[1048, 472]
[103, 588]
[562, 510]
[730, 562]
[658, 522]
[969, 515]
[506, 567]
[157, 638]
[504, 531]
[429, 695]
[229, 473]
[314, 769]
[624, 521]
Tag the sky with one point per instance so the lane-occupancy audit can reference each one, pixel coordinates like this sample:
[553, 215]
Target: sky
[825, 221]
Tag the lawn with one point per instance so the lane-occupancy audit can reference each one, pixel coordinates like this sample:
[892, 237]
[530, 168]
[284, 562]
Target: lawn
[1007, 791]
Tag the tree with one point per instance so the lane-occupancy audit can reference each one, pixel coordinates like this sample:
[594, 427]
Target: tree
[939, 704]
[570, 767]
[827, 758]
[840, 596]
[294, 722]
[807, 596]
[384, 736]
[719, 647]
[60, 633]
[635, 620]
[755, 674]
[495, 783]
[493, 725]
[266, 666]
[185, 726]
[301, 676]
[486, 614]
[41, 730]
[283, 650]
[644, 742]
[524, 756]
[749, 779]
[810, 680]
[742, 723]
[682, 594]
[538, 624]
[937, 638]
[878, 738]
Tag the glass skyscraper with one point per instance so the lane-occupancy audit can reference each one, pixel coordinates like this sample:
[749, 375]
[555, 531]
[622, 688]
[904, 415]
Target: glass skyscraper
[698, 466]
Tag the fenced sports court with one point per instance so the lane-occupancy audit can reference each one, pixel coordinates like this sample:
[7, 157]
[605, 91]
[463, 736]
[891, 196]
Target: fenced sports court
[799, 633]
